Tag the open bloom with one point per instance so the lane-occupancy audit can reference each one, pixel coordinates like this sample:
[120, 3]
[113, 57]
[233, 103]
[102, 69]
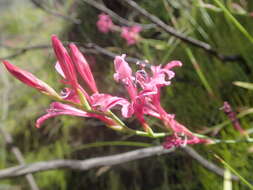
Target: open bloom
[104, 23]
[143, 87]
[79, 101]
[130, 34]
[144, 91]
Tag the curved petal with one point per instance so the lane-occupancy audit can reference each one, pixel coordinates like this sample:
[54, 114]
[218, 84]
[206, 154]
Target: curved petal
[83, 67]
[65, 61]
[57, 108]
[106, 102]
[29, 79]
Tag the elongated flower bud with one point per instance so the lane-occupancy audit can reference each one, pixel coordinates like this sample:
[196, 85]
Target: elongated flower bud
[83, 67]
[65, 62]
[30, 80]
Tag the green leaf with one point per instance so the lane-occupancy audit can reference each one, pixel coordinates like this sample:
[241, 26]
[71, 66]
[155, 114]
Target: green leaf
[244, 84]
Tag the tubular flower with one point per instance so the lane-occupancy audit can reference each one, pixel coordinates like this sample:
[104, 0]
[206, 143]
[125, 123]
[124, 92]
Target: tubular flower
[76, 95]
[131, 34]
[58, 108]
[143, 87]
[104, 23]
[30, 80]
[144, 91]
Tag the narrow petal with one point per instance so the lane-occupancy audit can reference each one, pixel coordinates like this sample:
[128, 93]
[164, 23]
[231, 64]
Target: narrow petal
[29, 79]
[122, 69]
[59, 69]
[106, 102]
[83, 67]
[57, 108]
[173, 64]
[65, 62]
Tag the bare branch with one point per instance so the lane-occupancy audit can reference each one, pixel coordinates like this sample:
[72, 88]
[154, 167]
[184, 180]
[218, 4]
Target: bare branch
[84, 164]
[207, 164]
[172, 31]
[112, 14]
[17, 153]
[40, 5]
[87, 164]
[87, 48]
[22, 50]
[110, 54]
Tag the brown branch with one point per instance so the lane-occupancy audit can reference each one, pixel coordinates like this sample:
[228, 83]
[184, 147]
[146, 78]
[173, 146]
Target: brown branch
[87, 48]
[82, 165]
[87, 164]
[110, 54]
[172, 31]
[204, 162]
[17, 153]
[7, 136]
[112, 14]
[39, 4]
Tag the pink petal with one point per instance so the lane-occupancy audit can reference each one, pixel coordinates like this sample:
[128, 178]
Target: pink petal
[123, 71]
[59, 69]
[106, 102]
[57, 109]
[29, 79]
[83, 67]
[104, 24]
[65, 62]
[130, 34]
[173, 64]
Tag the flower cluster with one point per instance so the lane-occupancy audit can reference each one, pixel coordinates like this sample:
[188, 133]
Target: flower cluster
[143, 87]
[129, 33]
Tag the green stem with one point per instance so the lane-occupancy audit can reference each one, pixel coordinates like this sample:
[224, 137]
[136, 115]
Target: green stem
[233, 19]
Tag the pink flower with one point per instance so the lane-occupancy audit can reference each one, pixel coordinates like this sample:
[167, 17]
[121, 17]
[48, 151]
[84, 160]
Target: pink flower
[130, 34]
[29, 79]
[98, 102]
[144, 91]
[233, 117]
[104, 23]
[57, 109]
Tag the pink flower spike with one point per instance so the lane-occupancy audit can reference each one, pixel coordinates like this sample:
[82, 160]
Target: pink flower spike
[130, 34]
[83, 67]
[65, 62]
[104, 23]
[29, 79]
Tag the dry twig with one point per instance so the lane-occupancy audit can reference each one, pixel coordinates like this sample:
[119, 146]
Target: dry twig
[172, 31]
[39, 4]
[112, 14]
[87, 164]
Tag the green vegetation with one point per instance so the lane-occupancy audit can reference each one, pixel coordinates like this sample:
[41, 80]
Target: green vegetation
[195, 96]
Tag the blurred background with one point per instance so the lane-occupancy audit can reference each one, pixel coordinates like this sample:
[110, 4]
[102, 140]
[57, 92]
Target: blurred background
[196, 95]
